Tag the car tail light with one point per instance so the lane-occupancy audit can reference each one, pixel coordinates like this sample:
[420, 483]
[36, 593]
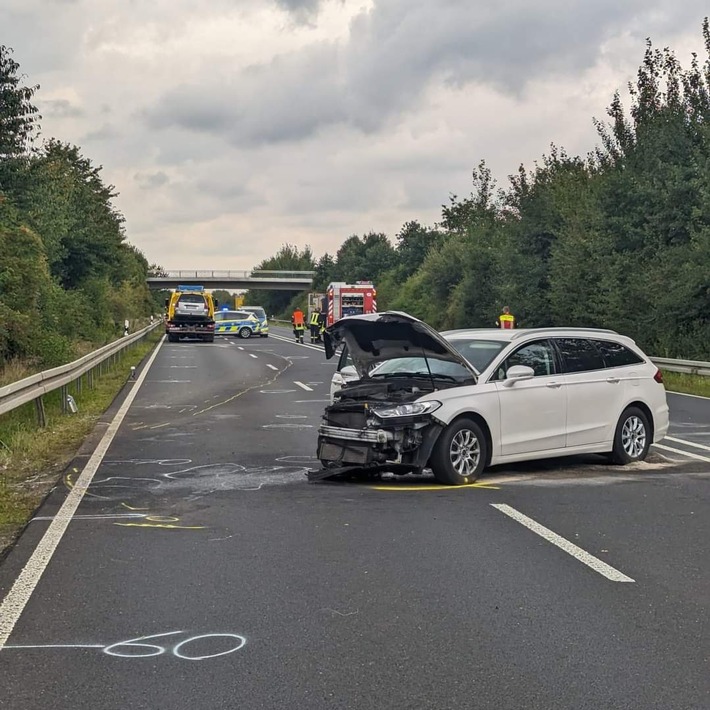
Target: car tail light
[658, 377]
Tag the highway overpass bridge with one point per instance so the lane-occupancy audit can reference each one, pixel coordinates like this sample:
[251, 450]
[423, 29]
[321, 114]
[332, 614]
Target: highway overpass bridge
[234, 280]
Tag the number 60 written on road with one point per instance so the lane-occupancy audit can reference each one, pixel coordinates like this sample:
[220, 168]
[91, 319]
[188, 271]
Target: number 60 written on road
[137, 648]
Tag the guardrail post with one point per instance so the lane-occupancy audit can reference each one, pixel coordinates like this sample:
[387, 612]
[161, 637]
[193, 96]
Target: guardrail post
[79, 384]
[63, 391]
[90, 378]
[41, 414]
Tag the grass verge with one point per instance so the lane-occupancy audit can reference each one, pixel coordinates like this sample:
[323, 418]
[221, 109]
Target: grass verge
[689, 384]
[32, 458]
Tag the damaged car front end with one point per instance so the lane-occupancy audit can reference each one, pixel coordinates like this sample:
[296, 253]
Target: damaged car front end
[386, 420]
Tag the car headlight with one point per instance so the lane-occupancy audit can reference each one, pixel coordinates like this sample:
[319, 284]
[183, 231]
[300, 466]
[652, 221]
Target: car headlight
[413, 409]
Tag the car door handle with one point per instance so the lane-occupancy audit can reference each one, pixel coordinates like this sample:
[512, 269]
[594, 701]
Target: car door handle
[553, 385]
[612, 380]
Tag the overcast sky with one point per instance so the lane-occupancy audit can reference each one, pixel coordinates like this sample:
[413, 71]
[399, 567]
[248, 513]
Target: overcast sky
[232, 126]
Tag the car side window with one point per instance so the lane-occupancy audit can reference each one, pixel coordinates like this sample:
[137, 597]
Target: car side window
[539, 355]
[616, 354]
[579, 355]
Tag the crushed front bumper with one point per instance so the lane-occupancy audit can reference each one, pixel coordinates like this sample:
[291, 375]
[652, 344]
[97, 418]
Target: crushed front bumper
[399, 448]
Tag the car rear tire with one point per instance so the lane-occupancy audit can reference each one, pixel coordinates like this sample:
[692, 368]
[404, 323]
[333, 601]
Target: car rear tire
[172, 338]
[632, 438]
[460, 453]
[209, 339]
[244, 333]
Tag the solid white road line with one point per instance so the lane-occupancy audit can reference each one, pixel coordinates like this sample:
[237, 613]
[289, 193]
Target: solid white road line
[272, 367]
[571, 549]
[14, 603]
[302, 386]
[300, 345]
[683, 453]
[685, 394]
[687, 443]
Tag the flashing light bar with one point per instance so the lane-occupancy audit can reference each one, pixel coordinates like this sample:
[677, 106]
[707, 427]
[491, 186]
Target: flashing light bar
[190, 288]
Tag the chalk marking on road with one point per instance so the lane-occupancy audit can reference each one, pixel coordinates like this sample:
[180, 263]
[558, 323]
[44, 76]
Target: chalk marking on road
[276, 391]
[302, 386]
[287, 426]
[256, 357]
[272, 367]
[182, 367]
[165, 382]
[92, 517]
[303, 401]
[16, 599]
[159, 426]
[120, 649]
[570, 548]
[291, 416]
[688, 443]
[689, 454]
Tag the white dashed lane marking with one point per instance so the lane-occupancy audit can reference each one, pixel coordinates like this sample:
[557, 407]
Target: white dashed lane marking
[570, 548]
[302, 386]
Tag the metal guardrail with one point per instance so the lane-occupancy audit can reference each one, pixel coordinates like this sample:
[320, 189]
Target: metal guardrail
[689, 367]
[36, 386]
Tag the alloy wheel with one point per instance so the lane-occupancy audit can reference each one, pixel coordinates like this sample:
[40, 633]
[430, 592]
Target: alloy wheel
[465, 452]
[633, 437]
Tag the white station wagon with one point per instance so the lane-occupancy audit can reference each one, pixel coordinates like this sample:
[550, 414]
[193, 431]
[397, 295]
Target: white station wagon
[406, 398]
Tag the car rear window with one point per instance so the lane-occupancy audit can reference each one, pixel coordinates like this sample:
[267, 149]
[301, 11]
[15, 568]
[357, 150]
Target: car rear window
[258, 312]
[616, 354]
[191, 298]
[579, 355]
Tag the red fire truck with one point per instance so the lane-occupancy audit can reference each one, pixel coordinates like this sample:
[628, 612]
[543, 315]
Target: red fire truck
[342, 300]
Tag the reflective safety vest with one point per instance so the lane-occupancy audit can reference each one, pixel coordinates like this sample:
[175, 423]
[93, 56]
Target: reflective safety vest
[315, 318]
[297, 319]
[506, 321]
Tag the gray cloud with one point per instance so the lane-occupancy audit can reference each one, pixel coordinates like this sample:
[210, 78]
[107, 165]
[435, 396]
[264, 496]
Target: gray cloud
[394, 53]
[152, 180]
[60, 108]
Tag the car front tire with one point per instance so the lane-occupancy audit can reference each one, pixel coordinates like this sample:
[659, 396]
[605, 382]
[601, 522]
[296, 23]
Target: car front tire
[460, 453]
[632, 438]
[245, 333]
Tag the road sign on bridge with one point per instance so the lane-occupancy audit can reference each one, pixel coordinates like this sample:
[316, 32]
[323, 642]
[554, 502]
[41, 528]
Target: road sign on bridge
[234, 280]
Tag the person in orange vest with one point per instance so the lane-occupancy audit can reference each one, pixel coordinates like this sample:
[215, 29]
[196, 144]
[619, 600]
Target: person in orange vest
[506, 320]
[299, 324]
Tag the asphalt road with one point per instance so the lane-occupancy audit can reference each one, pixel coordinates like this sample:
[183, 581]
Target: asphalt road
[241, 585]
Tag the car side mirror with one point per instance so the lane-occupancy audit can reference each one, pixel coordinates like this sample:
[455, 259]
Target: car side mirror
[518, 373]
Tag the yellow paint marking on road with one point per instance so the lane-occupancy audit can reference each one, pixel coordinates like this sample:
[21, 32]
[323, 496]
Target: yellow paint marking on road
[161, 525]
[409, 488]
[125, 505]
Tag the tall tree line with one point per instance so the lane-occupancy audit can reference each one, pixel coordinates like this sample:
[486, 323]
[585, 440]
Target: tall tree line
[619, 238]
[67, 273]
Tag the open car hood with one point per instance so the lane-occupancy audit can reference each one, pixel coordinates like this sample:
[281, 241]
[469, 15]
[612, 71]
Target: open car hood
[377, 337]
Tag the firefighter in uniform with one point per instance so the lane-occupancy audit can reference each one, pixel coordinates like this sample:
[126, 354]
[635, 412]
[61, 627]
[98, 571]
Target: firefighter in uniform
[506, 320]
[315, 325]
[299, 324]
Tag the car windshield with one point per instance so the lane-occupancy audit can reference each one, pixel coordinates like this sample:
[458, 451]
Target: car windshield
[480, 353]
[401, 366]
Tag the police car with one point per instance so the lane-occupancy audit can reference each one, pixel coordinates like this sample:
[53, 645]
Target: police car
[240, 324]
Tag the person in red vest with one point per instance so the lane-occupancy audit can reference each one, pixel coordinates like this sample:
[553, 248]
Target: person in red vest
[506, 320]
[299, 324]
